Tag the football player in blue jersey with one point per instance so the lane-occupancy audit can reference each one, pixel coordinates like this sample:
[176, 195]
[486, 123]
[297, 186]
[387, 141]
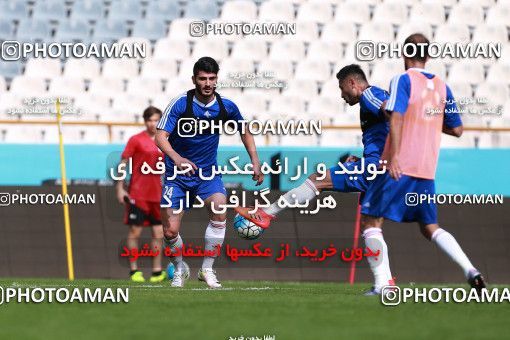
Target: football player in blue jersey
[186, 147]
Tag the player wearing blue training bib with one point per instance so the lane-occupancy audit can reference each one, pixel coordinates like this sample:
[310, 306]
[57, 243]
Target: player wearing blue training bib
[191, 150]
[355, 89]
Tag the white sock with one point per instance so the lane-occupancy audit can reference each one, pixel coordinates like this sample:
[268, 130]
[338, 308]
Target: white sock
[174, 244]
[447, 243]
[379, 265]
[214, 235]
[306, 191]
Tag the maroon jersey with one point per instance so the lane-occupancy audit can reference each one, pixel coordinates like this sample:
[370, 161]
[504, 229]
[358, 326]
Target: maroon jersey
[141, 148]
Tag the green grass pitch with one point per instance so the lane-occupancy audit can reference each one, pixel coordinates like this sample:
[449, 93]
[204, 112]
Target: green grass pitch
[250, 309]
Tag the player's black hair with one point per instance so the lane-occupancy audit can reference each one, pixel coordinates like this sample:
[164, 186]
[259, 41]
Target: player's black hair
[416, 47]
[353, 69]
[206, 64]
[151, 110]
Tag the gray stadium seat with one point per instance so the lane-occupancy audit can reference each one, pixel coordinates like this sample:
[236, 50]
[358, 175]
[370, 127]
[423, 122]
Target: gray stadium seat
[73, 30]
[49, 10]
[109, 30]
[11, 69]
[150, 29]
[125, 10]
[13, 10]
[87, 10]
[33, 30]
[6, 29]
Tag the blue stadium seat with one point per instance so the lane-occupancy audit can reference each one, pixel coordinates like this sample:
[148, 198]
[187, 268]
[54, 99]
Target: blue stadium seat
[33, 30]
[14, 10]
[73, 30]
[49, 10]
[150, 29]
[109, 30]
[88, 10]
[6, 29]
[205, 10]
[125, 10]
[163, 10]
[11, 69]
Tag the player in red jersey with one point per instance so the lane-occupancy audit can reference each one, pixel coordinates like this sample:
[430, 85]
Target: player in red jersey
[142, 198]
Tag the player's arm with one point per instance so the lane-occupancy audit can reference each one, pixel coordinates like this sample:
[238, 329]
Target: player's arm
[164, 145]
[397, 106]
[452, 124]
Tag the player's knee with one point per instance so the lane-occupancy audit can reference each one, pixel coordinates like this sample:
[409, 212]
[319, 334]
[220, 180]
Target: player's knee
[170, 233]
[134, 231]
[320, 184]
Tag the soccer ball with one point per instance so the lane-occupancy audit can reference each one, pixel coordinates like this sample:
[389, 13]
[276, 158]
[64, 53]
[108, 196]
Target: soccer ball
[247, 229]
[170, 270]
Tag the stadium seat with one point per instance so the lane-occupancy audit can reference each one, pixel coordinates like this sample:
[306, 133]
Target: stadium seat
[450, 33]
[127, 104]
[344, 32]
[90, 10]
[161, 101]
[35, 30]
[43, 68]
[49, 10]
[239, 11]
[110, 30]
[286, 107]
[233, 65]
[159, 68]
[411, 27]
[437, 67]
[9, 100]
[281, 69]
[140, 43]
[353, 11]
[75, 30]
[6, 29]
[324, 50]
[11, 69]
[121, 134]
[315, 10]
[203, 10]
[2, 85]
[470, 14]
[123, 68]
[177, 49]
[483, 3]
[445, 3]
[28, 86]
[14, 10]
[163, 10]
[232, 38]
[393, 12]
[331, 89]
[177, 86]
[93, 104]
[377, 31]
[498, 14]
[253, 50]
[491, 33]
[469, 72]
[296, 140]
[106, 85]
[127, 10]
[340, 138]
[144, 86]
[287, 50]
[496, 94]
[460, 90]
[313, 69]
[350, 58]
[430, 13]
[84, 134]
[276, 10]
[499, 73]
[326, 108]
[85, 68]
[250, 105]
[306, 31]
[149, 29]
[299, 86]
[217, 49]
[66, 87]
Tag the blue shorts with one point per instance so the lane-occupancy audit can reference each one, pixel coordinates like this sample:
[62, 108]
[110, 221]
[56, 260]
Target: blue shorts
[347, 182]
[175, 191]
[398, 200]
